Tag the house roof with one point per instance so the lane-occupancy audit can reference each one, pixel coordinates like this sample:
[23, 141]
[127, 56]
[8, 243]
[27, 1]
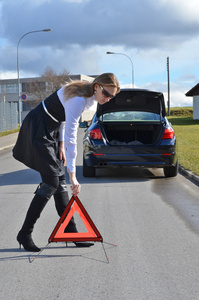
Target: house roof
[194, 91]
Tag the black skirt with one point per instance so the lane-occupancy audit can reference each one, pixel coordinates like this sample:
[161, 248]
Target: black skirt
[37, 145]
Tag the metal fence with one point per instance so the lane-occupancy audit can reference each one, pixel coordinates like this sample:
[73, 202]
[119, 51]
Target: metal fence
[8, 116]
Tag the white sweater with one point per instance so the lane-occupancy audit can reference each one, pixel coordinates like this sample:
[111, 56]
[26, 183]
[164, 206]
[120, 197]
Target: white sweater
[68, 131]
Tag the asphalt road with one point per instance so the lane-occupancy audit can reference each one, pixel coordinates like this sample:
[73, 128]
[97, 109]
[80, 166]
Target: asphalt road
[153, 221]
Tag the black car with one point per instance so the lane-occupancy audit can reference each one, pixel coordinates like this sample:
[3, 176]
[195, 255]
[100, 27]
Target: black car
[130, 130]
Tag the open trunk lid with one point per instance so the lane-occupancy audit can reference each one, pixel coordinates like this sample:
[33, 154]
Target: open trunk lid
[134, 100]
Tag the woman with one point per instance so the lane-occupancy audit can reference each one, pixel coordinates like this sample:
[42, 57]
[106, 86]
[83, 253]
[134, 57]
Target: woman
[47, 139]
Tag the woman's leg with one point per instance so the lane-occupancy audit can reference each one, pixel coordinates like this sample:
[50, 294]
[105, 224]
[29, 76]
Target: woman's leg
[61, 201]
[43, 193]
[50, 185]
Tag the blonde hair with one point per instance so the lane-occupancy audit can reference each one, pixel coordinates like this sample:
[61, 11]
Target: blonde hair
[86, 89]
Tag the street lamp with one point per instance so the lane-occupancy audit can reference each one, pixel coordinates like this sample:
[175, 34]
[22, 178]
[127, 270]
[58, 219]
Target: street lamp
[19, 98]
[131, 64]
[168, 113]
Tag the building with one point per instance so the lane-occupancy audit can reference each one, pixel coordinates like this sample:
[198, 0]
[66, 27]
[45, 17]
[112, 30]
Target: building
[32, 90]
[194, 92]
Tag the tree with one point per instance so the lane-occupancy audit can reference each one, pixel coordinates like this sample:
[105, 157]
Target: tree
[54, 80]
[48, 83]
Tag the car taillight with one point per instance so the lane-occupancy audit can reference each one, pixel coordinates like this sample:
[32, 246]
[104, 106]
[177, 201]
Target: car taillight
[96, 134]
[168, 134]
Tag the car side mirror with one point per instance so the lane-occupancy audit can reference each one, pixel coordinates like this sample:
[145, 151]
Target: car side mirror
[83, 124]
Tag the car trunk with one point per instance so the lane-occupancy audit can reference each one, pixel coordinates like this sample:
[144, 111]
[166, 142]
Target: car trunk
[131, 134]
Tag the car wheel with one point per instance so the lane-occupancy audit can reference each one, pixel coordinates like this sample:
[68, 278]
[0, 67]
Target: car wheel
[171, 171]
[88, 171]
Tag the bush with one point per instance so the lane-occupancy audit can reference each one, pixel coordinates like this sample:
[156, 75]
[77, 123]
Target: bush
[181, 111]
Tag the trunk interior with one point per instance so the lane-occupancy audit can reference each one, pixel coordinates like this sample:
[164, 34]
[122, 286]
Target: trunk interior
[131, 133]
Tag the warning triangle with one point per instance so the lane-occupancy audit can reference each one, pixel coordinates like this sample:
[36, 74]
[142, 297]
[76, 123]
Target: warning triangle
[58, 234]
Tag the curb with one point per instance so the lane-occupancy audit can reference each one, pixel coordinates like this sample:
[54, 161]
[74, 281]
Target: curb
[6, 147]
[8, 141]
[189, 175]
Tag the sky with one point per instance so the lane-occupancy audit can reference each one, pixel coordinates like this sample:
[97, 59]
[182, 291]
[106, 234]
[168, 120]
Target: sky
[141, 33]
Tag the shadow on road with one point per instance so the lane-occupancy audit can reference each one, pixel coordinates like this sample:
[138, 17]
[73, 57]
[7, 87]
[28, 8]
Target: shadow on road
[24, 176]
[136, 174]
[21, 254]
[123, 174]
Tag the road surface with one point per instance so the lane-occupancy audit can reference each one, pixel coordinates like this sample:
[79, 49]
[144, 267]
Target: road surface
[153, 221]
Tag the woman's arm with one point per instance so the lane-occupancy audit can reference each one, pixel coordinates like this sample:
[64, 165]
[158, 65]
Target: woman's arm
[62, 155]
[75, 186]
[73, 110]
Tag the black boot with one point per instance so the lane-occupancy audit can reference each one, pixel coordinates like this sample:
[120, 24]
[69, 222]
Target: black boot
[61, 202]
[25, 239]
[42, 195]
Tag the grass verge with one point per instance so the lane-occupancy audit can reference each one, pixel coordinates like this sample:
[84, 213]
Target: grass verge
[3, 133]
[187, 133]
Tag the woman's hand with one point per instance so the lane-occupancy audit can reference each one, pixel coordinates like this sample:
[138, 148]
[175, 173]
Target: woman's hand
[62, 155]
[75, 186]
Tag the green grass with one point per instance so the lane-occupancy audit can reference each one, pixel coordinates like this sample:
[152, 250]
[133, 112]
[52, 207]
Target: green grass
[187, 133]
[3, 133]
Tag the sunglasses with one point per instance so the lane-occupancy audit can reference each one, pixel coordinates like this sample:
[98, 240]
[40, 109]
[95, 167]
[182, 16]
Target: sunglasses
[105, 93]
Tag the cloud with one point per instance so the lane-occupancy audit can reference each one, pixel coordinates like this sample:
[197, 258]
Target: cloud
[140, 23]
[83, 30]
[177, 93]
[186, 10]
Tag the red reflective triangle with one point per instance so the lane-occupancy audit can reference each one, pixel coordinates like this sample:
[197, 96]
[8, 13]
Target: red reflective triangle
[58, 234]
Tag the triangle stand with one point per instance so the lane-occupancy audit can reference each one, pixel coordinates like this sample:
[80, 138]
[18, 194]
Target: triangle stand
[92, 234]
[58, 234]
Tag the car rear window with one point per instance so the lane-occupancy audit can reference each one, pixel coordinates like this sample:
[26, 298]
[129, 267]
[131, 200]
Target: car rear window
[126, 116]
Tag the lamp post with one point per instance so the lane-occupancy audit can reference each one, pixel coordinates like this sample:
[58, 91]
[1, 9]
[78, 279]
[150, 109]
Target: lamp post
[19, 98]
[168, 113]
[131, 64]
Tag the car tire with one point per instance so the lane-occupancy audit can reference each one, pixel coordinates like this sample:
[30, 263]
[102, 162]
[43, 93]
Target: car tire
[88, 171]
[171, 171]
